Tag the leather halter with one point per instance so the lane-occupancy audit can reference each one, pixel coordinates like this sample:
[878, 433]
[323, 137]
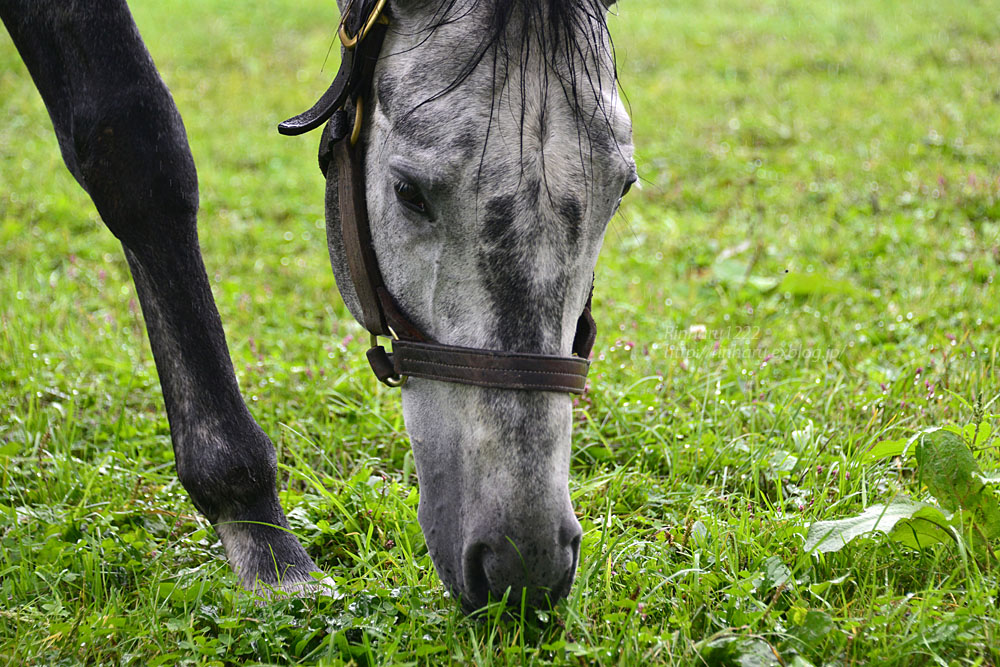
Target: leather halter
[413, 353]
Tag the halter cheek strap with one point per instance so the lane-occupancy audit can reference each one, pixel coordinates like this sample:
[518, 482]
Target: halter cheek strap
[413, 354]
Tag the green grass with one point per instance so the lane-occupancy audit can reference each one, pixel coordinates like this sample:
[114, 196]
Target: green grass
[808, 270]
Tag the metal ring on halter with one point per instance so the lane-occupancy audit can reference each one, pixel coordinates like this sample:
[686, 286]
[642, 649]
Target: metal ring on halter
[399, 380]
[359, 109]
[350, 41]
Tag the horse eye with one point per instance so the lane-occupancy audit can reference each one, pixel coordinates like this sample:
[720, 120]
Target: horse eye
[628, 186]
[410, 197]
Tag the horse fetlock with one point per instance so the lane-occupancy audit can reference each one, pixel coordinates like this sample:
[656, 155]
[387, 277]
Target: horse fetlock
[228, 478]
[264, 553]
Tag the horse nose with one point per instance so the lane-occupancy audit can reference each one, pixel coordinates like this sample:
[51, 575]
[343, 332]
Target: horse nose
[537, 567]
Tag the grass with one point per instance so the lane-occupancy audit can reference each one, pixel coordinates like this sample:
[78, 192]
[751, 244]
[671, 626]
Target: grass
[808, 270]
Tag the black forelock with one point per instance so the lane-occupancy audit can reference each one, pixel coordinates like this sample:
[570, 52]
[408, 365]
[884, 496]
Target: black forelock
[508, 37]
[568, 34]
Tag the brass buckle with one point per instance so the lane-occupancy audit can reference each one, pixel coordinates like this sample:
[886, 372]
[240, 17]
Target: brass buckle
[359, 110]
[350, 41]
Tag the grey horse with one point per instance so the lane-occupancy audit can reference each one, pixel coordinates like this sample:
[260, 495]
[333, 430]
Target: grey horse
[496, 149]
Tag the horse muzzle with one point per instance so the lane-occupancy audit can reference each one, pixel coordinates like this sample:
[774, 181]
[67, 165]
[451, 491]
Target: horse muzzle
[535, 570]
[495, 508]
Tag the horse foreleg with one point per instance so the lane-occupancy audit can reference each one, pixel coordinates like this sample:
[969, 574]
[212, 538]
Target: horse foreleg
[123, 139]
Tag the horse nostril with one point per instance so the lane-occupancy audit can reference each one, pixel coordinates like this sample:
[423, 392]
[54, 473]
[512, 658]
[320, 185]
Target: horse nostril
[539, 572]
[574, 551]
[477, 585]
[569, 535]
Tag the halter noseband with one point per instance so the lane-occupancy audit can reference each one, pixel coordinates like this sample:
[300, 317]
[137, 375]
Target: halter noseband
[413, 353]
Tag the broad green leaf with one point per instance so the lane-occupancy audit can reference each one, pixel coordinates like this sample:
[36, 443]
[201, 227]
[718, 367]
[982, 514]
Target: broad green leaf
[928, 526]
[885, 449]
[178, 593]
[899, 447]
[763, 283]
[736, 651]
[987, 514]
[951, 473]
[783, 461]
[775, 573]
[986, 517]
[813, 628]
[949, 470]
[821, 587]
[798, 661]
[166, 589]
[734, 272]
[165, 659]
[827, 536]
[815, 284]
[730, 271]
[600, 453]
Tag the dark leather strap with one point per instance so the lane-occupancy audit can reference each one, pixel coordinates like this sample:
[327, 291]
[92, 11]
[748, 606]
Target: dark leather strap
[482, 368]
[355, 73]
[414, 354]
[361, 260]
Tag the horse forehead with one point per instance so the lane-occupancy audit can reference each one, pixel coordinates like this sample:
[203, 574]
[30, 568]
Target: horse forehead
[437, 84]
[522, 129]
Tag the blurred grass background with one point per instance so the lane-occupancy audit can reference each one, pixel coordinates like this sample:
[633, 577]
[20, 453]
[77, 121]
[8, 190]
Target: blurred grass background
[808, 269]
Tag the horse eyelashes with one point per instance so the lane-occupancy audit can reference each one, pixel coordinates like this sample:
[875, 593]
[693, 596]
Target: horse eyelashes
[410, 196]
[628, 186]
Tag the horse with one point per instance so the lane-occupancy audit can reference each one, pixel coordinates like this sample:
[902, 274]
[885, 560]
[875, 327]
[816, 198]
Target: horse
[474, 152]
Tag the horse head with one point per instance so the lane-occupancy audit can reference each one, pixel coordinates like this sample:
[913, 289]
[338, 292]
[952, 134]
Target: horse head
[495, 151]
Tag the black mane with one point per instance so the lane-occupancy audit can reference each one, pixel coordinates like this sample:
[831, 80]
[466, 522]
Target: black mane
[569, 33]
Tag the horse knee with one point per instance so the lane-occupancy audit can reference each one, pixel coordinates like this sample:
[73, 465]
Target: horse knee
[134, 159]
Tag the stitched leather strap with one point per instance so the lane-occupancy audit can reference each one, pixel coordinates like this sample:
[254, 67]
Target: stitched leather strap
[483, 368]
[361, 260]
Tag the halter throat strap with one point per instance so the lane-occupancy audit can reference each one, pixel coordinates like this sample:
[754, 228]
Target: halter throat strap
[414, 354]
